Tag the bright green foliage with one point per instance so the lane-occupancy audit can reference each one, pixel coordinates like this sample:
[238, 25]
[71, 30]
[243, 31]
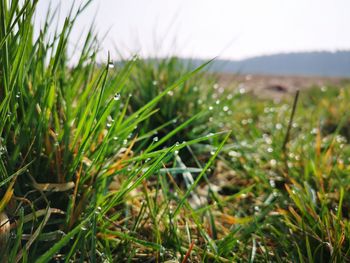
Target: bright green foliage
[84, 177]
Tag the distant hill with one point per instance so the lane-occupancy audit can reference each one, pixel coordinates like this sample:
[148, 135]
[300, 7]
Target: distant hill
[328, 64]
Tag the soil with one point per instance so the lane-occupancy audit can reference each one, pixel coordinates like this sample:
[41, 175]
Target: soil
[276, 86]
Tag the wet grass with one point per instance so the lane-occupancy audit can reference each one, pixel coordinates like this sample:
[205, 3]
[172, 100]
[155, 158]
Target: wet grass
[147, 161]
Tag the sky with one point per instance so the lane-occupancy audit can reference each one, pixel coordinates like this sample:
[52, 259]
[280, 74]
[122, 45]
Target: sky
[230, 29]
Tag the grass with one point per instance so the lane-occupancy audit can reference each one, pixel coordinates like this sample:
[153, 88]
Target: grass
[90, 173]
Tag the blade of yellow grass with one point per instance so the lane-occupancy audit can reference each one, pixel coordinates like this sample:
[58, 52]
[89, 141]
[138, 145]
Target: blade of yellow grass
[50, 187]
[8, 195]
[71, 220]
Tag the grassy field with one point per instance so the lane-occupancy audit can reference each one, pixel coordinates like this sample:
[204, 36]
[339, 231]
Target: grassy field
[145, 161]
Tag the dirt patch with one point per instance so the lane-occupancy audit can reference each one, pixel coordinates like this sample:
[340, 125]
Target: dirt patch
[275, 86]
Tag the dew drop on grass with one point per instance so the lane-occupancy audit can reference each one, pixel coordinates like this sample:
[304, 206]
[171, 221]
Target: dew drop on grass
[176, 152]
[273, 162]
[170, 93]
[154, 83]
[217, 102]
[125, 142]
[225, 108]
[83, 228]
[212, 152]
[116, 96]
[269, 150]
[18, 95]
[109, 124]
[278, 126]
[211, 108]
[155, 139]
[272, 183]
[115, 138]
[111, 65]
[234, 154]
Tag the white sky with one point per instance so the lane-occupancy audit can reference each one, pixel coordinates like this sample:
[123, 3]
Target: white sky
[232, 29]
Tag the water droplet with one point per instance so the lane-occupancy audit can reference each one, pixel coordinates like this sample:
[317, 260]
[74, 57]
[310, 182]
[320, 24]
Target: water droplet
[272, 183]
[211, 108]
[244, 122]
[111, 65]
[217, 102]
[115, 138]
[125, 142]
[212, 152]
[109, 124]
[83, 228]
[154, 83]
[225, 108]
[18, 95]
[170, 93]
[116, 96]
[234, 154]
[269, 150]
[242, 90]
[278, 126]
[155, 139]
[273, 162]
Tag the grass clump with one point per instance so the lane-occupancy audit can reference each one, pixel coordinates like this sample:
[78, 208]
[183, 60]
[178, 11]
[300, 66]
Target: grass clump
[84, 179]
